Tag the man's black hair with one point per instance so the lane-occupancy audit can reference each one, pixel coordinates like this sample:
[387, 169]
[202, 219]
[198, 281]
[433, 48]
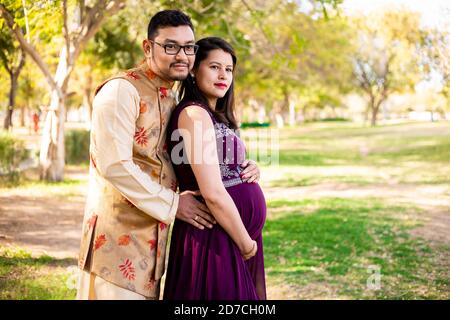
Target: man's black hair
[167, 18]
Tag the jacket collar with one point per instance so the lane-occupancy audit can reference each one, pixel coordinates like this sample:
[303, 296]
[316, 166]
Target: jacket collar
[152, 76]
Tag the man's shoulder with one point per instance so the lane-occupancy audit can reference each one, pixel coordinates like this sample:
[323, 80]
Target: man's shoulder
[117, 85]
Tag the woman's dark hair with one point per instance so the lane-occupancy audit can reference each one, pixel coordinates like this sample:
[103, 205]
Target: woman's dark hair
[224, 111]
[167, 18]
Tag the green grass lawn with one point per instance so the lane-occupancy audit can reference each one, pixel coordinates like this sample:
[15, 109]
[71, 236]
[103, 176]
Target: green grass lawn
[337, 242]
[333, 245]
[414, 153]
[324, 246]
[24, 277]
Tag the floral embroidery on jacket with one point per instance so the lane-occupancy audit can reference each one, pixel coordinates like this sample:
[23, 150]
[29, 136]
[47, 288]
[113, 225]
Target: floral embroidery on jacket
[99, 241]
[133, 75]
[150, 74]
[152, 244]
[124, 240]
[127, 270]
[141, 136]
[163, 92]
[91, 221]
[150, 284]
[142, 106]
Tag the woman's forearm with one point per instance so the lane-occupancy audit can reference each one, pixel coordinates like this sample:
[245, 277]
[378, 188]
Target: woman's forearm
[225, 212]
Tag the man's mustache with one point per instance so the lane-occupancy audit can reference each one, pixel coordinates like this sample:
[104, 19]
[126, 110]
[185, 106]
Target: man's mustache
[179, 62]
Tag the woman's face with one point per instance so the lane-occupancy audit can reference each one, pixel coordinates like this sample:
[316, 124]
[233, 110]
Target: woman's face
[214, 75]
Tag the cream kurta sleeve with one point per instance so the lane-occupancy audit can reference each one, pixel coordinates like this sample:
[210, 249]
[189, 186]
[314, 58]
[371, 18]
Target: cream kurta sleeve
[115, 110]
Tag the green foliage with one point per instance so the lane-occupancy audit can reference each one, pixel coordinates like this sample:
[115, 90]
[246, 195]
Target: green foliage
[112, 46]
[293, 52]
[12, 153]
[24, 277]
[77, 146]
[9, 48]
[285, 53]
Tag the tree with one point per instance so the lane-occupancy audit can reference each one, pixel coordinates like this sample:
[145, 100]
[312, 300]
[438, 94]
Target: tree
[386, 56]
[436, 60]
[77, 30]
[293, 51]
[12, 58]
[114, 47]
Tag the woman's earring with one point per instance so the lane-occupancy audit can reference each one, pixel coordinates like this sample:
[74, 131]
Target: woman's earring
[193, 78]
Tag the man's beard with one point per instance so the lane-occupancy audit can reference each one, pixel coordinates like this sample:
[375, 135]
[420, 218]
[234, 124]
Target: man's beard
[167, 74]
[179, 77]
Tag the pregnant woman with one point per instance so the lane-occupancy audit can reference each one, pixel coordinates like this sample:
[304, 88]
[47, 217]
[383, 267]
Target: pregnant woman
[225, 262]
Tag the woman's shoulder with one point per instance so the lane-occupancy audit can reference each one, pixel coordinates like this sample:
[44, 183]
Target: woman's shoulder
[182, 106]
[191, 104]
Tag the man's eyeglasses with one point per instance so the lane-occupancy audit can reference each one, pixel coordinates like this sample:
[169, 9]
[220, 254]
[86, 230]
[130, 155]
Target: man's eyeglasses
[173, 48]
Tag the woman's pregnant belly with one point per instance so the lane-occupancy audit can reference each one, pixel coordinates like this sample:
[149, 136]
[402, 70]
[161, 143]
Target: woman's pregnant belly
[251, 204]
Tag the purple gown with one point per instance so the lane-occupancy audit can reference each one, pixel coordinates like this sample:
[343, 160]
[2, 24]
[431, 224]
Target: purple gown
[206, 264]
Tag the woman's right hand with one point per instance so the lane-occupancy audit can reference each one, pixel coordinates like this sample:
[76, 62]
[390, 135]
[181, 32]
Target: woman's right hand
[251, 252]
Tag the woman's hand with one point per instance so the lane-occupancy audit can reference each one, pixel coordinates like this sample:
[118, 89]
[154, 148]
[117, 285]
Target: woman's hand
[251, 172]
[250, 253]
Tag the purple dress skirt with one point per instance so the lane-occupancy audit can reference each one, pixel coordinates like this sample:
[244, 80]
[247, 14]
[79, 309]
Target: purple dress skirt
[206, 264]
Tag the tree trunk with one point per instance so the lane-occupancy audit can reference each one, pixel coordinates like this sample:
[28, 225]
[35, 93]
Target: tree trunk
[292, 119]
[373, 120]
[11, 101]
[52, 144]
[23, 113]
[87, 98]
[375, 110]
[372, 109]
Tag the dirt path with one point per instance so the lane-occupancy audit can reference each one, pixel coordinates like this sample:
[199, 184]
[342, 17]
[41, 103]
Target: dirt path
[46, 224]
[43, 223]
[433, 200]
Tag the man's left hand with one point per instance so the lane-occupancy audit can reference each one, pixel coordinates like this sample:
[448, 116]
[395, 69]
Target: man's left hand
[251, 172]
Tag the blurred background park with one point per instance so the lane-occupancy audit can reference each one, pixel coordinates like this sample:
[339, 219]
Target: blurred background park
[352, 96]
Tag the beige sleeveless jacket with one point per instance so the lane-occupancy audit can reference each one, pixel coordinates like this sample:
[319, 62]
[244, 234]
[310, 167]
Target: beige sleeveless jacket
[131, 198]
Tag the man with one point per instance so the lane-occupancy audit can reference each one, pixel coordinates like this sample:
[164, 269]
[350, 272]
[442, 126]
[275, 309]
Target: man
[131, 198]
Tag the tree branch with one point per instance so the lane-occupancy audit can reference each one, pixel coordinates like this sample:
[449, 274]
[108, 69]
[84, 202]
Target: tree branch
[28, 48]
[200, 11]
[66, 30]
[272, 46]
[92, 23]
[233, 38]
[21, 63]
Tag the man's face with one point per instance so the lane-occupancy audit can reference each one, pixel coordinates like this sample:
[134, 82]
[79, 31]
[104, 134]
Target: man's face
[170, 67]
